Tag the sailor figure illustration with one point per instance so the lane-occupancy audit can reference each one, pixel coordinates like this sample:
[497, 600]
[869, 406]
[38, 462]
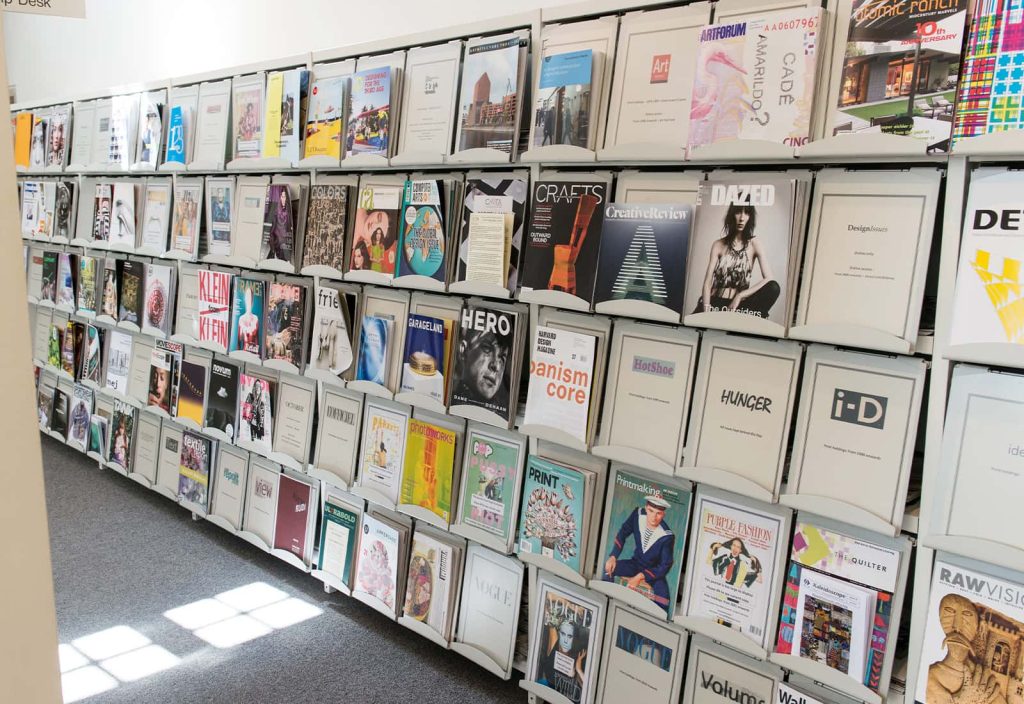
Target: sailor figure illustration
[653, 549]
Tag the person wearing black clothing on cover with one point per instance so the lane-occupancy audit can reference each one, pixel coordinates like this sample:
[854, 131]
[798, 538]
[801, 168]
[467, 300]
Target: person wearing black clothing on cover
[727, 283]
[731, 561]
[480, 370]
[256, 404]
[563, 667]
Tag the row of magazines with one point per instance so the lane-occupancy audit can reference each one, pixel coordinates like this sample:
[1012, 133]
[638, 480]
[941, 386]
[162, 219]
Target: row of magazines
[679, 79]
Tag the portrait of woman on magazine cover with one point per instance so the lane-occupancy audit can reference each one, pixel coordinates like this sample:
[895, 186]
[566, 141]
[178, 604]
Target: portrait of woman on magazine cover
[728, 281]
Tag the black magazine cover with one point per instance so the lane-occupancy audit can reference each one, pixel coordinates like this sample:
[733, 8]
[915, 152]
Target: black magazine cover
[133, 275]
[59, 415]
[484, 356]
[643, 253]
[563, 238]
[48, 289]
[493, 195]
[62, 209]
[222, 398]
[325, 226]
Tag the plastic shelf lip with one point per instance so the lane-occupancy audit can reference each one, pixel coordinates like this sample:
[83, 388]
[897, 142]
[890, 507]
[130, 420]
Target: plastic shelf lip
[494, 542]
[840, 511]
[373, 496]
[165, 492]
[722, 634]
[851, 336]
[412, 157]
[290, 558]
[281, 365]
[423, 515]
[989, 551]
[254, 539]
[323, 271]
[1009, 143]
[630, 597]
[480, 155]
[329, 477]
[369, 161]
[558, 153]
[276, 265]
[479, 288]
[642, 151]
[363, 276]
[172, 167]
[372, 388]
[825, 675]
[424, 630]
[545, 694]
[319, 161]
[374, 603]
[331, 582]
[557, 299]
[419, 400]
[863, 146]
[734, 322]
[644, 310]
[554, 567]
[742, 150]
[221, 523]
[544, 432]
[479, 657]
[992, 353]
[263, 163]
[730, 481]
[415, 281]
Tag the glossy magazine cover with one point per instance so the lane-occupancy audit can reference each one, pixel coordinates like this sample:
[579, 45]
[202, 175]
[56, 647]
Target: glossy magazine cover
[551, 517]
[428, 469]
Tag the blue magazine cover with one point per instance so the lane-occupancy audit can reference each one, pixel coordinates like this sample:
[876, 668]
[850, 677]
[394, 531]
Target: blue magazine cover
[247, 316]
[176, 137]
[373, 350]
[423, 365]
[423, 245]
[552, 517]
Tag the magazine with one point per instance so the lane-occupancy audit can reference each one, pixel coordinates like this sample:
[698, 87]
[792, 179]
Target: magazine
[156, 216]
[192, 392]
[338, 535]
[427, 475]
[122, 214]
[485, 355]
[102, 207]
[552, 513]
[325, 117]
[383, 450]
[374, 348]
[488, 101]
[158, 301]
[567, 625]
[373, 246]
[561, 381]
[326, 220]
[424, 246]
[283, 327]
[214, 307]
[562, 104]
[220, 200]
[429, 586]
[122, 434]
[368, 127]
[222, 398]
[331, 349]
[194, 469]
[487, 253]
[424, 363]
[247, 316]
[491, 476]
[133, 277]
[255, 421]
[79, 417]
[377, 564]
[278, 227]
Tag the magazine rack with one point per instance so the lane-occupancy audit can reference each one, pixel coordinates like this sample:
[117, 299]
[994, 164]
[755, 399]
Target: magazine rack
[741, 150]
[365, 276]
[643, 151]
[136, 477]
[253, 539]
[165, 492]
[732, 322]
[479, 155]
[413, 157]
[840, 510]
[371, 495]
[330, 583]
[555, 299]
[320, 161]
[419, 282]
[424, 630]
[624, 594]
[643, 310]
[371, 388]
[221, 523]
[481, 415]
[544, 694]
[374, 603]
[851, 336]
[481, 658]
[423, 515]
[729, 481]
[322, 271]
[990, 354]
[993, 144]
[278, 265]
[285, 461]
[260, 163]
[544, 432]
[479, 288]
[364, 161]
[558, 154]
[246, 357]
[290, 558]
[861, 146]
[198, 510]
[633, 456]
[232, 260]
[174, 167]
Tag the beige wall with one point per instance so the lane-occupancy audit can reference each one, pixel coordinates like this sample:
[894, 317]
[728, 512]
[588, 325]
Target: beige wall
[29, 672]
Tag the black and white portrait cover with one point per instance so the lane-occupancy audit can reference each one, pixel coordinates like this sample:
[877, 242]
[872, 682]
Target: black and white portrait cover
[484, 360]
[739, 259]
[643, 254]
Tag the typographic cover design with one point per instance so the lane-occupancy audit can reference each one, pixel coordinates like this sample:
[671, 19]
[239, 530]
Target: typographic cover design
[338, 535]
[293, 509]
[429, 465]
[424, 363]
[488, 198]
[326, 218]
[643, 254]
[561, 381]
[423, 247]
[222, 398]
[564, 237]
[214, 307]
[643, 549]
[492, 471]
[331, 348]
[755, 79]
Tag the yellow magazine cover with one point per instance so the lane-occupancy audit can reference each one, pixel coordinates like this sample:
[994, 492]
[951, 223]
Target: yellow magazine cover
[272, 121]
[429, 463]
[23, 139]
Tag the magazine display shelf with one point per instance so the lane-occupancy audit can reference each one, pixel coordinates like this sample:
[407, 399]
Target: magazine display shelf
[126, 325]
[165, 492]
[371, 495]
[371, 388]
[730, 322]
[544, 694]
[987, 551]
[554, 299]
[483, 156]
[997, 145]
[290, 558]
[330, 583]
[722, 634]
[365, 276]
[824, 675]
[484, 538]
[182, 338]
[172, 167]
[216, 434]
[481, 659]
[642, 152]
[188, 424]
[276, 265]
[418, 282]
[178, 254]
[246, 357]
[641, 310]
[730, 481]
[221, 523]
[851, 336]
[419, 400]
[633, 456]
[742, 151]
[364, 161]
[558, 154]
[198, 510]
[618, 592]
[841, 511]
[259, 163]
[157, 411]
[549, 564]
[321, 161]
[481, 415]
[285, 461]
[325, 376]
[374, 603]
[253, 539]
[111, 464]
[282, 365]
[995, 355]
[328, 477]
[231, 260]
[863, 145]
[424, 630]
[479, 288]
[423, 515]
[413, 157]
[322, 271]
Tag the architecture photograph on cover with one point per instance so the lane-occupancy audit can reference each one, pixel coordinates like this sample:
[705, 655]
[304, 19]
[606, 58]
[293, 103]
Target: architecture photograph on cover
[755, 79]
[562, 104]
[643, 254]
[564, 237]
[488, 100]
[739, 259]
[643, 548]
[368, 130]
[484, 358]
[375, 235]
[901, 69]
[972, 638]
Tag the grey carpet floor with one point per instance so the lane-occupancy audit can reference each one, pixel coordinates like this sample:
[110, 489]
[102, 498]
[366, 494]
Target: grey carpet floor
[123, 555]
